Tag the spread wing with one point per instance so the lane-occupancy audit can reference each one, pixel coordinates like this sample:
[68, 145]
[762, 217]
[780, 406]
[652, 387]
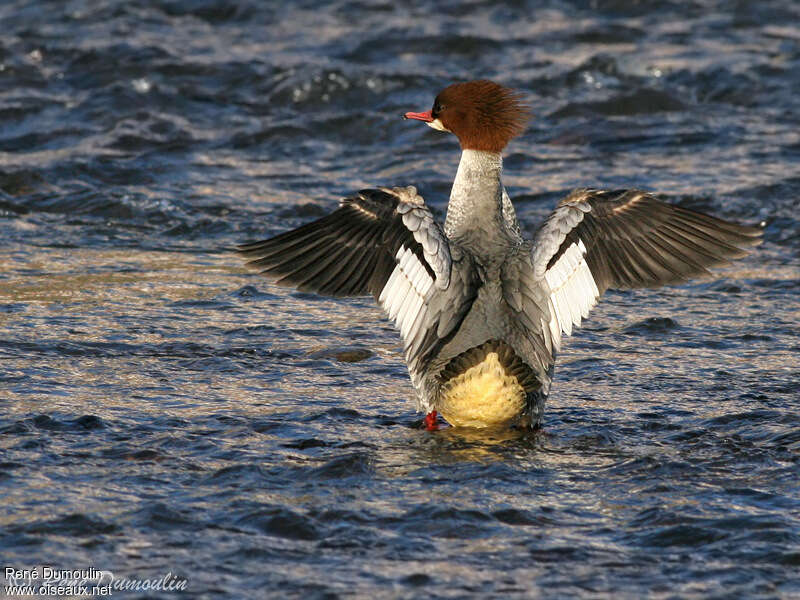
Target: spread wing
[595, 240]
[383, 242]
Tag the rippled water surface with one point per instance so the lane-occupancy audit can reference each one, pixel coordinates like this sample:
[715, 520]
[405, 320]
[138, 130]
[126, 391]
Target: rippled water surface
[165, 411]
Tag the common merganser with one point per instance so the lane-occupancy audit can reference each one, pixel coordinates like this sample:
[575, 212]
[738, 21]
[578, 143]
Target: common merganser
[480, 309]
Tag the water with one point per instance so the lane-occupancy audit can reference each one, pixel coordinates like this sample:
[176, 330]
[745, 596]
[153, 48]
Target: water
[165, 411]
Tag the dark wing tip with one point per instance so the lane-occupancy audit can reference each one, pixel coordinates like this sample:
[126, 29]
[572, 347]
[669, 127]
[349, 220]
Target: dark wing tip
[345, 253]
[637, 240]
[754, 233]
[249, 248]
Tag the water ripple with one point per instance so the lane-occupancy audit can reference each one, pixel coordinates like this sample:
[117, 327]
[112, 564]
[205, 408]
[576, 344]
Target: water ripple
[167, 411]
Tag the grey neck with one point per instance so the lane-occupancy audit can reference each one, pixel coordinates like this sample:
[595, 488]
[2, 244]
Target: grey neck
[479, 214]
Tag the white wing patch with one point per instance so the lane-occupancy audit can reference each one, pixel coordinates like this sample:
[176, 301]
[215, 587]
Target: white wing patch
[404, 295]
[573, 291]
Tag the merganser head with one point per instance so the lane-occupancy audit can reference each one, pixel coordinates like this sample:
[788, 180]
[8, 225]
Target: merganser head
[482, 114]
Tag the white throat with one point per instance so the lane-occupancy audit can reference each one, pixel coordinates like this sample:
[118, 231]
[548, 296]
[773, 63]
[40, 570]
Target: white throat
[437, 125]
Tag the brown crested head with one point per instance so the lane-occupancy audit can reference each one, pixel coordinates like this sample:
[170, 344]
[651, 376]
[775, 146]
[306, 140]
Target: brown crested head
[482, 114]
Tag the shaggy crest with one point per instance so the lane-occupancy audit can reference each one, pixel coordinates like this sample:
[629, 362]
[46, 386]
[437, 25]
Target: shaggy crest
[482, 114]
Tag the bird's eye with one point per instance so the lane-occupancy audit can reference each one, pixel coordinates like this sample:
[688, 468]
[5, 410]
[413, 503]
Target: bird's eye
[437, 108]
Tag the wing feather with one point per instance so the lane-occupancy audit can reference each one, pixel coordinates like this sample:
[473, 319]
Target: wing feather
[383, 242]
[595, 240]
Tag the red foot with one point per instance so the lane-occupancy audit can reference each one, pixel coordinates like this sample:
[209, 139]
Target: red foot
[430, 421]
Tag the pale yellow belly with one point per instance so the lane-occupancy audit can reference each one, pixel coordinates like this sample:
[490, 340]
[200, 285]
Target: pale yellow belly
[483, 396]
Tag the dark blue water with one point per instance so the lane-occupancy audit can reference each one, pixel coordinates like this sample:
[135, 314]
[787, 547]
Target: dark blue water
[165, 411]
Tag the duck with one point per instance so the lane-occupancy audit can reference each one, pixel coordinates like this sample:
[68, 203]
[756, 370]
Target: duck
[482, 310]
